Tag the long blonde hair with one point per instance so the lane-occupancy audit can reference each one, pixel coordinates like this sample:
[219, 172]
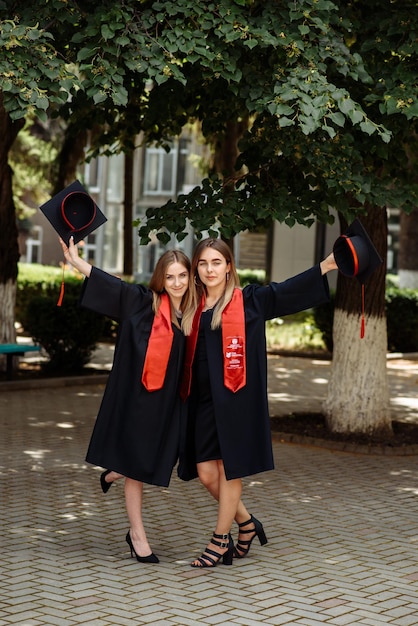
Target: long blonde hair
[197, 288]
[157, 281]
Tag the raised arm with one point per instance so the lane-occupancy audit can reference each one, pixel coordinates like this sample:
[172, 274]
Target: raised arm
[328, 264]
[72, 257]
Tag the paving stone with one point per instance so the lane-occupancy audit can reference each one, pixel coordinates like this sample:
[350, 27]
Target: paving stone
[341, 526]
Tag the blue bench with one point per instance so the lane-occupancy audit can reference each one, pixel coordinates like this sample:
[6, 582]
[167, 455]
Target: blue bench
[15, 349]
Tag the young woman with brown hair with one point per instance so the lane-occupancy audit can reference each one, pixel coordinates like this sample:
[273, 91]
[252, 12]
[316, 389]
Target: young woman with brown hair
[227, 434]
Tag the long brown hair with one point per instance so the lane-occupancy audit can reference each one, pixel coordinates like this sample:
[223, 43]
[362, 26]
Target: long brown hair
[197, 288]
[157, 281]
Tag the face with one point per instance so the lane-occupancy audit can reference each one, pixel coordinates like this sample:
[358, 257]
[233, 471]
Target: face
[212, 268]
[176, 280]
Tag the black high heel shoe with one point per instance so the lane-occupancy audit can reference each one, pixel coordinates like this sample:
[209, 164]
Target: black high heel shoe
[105, 485]
[206, 560]
[243, 545]
[151, 558]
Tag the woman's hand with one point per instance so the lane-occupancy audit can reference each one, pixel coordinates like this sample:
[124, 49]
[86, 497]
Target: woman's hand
[328, 264]
[72, 257]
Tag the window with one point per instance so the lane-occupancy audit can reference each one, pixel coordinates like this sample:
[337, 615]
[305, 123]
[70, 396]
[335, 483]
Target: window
[34, 245]
[164, 173]
[160, 175]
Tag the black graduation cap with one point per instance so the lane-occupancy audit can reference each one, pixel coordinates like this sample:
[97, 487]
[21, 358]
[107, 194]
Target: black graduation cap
[73, 212]
[355, 254]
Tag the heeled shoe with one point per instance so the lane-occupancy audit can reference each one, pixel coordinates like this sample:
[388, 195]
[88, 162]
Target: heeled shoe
[104, 484]
[206, 560]
[243, 545]
[151, 558]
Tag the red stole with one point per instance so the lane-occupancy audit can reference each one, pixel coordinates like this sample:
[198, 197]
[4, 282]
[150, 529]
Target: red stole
[233, 346]
[159, 347]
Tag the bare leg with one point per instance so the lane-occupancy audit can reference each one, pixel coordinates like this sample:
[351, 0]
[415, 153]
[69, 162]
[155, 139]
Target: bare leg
[112, 476]
[133, 502]
[212, 476]
[229, 494]
[209, 475]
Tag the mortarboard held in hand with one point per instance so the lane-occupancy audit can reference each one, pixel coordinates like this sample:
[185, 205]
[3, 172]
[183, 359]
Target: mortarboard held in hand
[356, 256]
[73, 212]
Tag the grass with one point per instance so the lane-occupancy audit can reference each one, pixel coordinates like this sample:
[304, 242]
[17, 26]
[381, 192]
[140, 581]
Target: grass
[294, 333]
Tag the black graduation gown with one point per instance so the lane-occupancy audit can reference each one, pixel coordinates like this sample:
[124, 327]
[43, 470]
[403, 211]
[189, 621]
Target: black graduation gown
[136, 431]
[242, 418]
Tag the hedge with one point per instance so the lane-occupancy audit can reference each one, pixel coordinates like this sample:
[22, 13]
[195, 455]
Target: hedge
[401, 316]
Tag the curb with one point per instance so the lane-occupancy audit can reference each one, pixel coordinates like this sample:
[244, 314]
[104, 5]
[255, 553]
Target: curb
[42, 383]
[344, 446]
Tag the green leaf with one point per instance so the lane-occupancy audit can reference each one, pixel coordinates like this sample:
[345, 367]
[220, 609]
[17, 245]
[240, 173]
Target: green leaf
[368, 127]
[163, 237]
[120, 96]
[386, 136]
[329, 130]
[283, 109]
[122, 41]
[85, 53]
[42, 103]
[337, 118]
[250, 43]
[356, 116]
[106, 32]
[346, 105]
[285, 121]
[99, 96]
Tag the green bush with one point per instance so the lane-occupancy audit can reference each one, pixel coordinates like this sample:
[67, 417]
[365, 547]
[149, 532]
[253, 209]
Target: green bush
[324, 318]
[247, 277]
[68, 333]
[35, 280]
[401, 315]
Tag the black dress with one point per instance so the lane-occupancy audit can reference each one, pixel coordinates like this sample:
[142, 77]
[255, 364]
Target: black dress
[201, 403]
[136, 431]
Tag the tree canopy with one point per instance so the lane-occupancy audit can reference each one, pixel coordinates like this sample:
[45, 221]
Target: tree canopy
[330, 96]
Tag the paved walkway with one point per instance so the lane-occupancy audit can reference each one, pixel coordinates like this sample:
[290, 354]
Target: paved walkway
[342, 528]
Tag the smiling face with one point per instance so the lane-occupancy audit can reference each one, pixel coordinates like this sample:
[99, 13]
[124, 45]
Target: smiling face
[176, 280]
[212, 268]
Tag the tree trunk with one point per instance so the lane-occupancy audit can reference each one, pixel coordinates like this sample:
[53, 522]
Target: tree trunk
[358, 395]
[408, 250]
[72, 153]
[9, 246]
[225, 157]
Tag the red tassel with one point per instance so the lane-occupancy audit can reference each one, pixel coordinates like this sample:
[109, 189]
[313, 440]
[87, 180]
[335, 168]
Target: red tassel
[61, 296]
[362, 329]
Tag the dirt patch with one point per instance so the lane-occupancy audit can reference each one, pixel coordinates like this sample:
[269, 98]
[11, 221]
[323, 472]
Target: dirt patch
[314, 425]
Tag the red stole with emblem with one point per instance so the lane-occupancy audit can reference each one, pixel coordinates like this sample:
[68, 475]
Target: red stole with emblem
[233, 346]
[159, 347]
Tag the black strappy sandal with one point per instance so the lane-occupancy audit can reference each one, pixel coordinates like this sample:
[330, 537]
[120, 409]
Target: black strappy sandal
[243, 545]
[206, 559]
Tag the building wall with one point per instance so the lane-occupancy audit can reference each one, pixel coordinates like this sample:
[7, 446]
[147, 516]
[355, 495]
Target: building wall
[299, 248]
